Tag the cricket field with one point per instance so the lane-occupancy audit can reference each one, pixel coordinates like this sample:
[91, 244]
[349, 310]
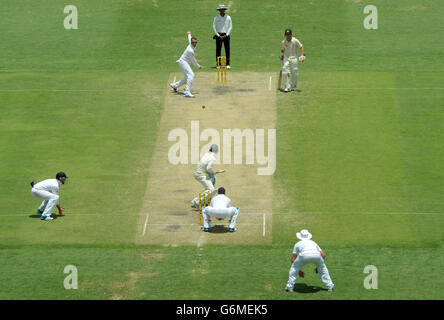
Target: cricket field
[358, 155]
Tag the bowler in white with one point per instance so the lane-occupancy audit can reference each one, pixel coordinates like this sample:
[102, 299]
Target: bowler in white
[188, 57]
[220, 208]
[48, 191]
[306, 251]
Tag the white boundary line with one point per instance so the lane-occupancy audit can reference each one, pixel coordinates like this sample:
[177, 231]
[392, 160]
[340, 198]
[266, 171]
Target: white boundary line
[146, 223]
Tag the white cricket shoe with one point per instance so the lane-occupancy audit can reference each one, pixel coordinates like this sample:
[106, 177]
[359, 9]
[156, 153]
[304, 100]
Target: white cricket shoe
[287, 90]
[228, 67]
[194, 204]
[294, 89]
[188, 94]
[173, 87]
[49, 218]
[331, 288]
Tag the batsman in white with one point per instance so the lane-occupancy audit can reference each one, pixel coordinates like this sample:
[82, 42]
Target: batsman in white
[48, 191]
[220, 208]
[204, 173]
[184, 63]
[307, 251]
[289, 60]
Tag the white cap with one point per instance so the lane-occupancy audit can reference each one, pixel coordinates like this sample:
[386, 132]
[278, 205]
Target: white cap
[303, 235]
[222, 7]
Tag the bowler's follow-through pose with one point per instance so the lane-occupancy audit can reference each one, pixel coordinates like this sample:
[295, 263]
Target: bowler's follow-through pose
[184, 63]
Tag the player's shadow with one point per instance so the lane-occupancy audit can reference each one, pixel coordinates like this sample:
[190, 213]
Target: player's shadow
[219, 229]
[303, 288]
[282, 90]
[35, 216]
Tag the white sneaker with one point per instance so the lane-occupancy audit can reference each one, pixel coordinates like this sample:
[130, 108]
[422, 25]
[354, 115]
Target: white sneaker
[49, 218]
[287, 90]
[173, 87]
[188, 94]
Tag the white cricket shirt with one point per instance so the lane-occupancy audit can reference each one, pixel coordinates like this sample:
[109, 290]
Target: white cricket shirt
[290, 48]
[220, 201]
[50, 185]
[306, 247]
[222, 24]
[188, 55]
[206, 164]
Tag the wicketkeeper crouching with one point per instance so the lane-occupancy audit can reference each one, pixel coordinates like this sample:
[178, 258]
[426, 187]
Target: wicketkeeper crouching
[220, 208]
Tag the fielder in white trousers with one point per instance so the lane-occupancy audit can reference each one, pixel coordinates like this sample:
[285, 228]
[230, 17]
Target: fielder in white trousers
[306, 252]
[48, 191]
[220, 208]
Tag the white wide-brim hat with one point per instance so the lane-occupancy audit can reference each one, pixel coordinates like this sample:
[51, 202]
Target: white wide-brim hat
[221, 7]
[303, 235]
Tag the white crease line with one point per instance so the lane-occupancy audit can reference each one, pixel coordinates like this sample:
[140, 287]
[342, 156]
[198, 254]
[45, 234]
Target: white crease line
[80, 90]
[144, 226]
[263, 229]
[21, 215]
[198, 224]
[369, 88]
[269, 84]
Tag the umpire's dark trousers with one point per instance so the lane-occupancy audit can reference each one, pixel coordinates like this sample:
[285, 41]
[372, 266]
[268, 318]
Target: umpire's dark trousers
[226, 43]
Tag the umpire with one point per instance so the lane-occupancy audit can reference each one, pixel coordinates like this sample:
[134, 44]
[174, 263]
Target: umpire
[222, 28]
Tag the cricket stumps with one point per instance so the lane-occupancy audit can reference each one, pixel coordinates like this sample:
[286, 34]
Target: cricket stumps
[204, 201]
[221, 69]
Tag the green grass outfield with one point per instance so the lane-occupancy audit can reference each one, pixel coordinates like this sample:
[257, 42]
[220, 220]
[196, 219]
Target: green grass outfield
[359, 149]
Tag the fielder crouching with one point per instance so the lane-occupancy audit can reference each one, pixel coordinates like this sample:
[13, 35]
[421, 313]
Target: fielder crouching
[220, 208]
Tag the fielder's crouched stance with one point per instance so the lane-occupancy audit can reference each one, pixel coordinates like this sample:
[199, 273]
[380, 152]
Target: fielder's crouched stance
[220, 208]
[307, 251]
[48, 191]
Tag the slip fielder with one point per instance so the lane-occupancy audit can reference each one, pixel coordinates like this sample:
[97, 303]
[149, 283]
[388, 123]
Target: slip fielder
[306, 251]
[48, 191]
